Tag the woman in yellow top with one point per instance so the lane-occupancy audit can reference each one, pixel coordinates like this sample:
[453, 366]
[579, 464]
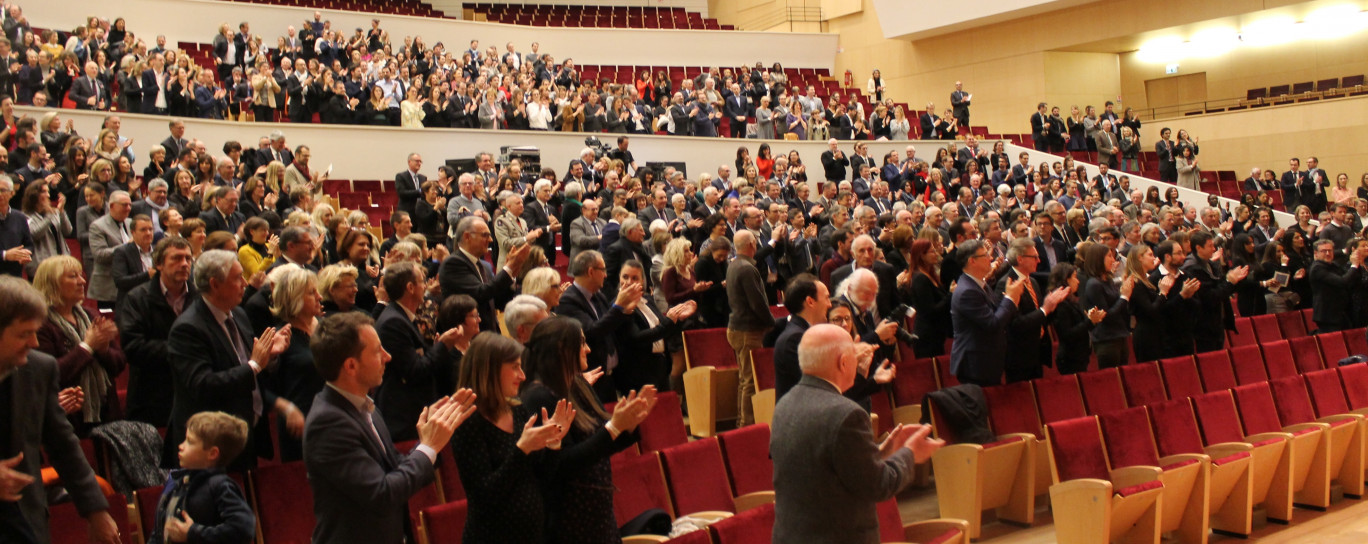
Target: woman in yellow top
[257, 248]
[264, 89]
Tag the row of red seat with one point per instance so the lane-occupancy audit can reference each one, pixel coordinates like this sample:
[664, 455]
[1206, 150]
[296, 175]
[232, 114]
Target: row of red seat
[414, 8]
[595, 16]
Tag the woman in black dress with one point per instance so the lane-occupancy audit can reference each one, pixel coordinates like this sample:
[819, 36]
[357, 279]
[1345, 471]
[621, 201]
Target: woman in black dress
[1109, 337]
[1146, 304]
[498, 449]
[577, 480]
[1071, 323]
[930, 298]
[295, 301]
[712, 269]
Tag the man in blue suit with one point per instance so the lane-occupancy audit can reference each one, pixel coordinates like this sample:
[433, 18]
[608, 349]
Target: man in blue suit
[980, 318]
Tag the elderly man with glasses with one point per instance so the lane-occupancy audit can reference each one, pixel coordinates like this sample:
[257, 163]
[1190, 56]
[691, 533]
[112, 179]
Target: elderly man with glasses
[981, 317]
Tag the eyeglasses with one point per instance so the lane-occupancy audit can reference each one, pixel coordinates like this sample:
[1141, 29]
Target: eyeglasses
[841, 319]
[979, 256]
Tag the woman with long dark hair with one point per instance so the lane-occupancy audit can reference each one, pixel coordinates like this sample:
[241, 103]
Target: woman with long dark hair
[498, 450]
[577, 481]
[930, 298]
[1109, 337]
[1072, 323]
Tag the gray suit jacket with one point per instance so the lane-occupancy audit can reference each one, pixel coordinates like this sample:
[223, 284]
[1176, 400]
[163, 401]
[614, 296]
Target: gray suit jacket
[361, 488]
[105, 238]
[828, 477]
[582, 236]
[40, 427]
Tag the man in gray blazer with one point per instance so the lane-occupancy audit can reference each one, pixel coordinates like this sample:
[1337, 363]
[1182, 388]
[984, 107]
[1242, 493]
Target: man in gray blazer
[587, 230]
[750, 316]
[829, 474]
[106, 235]
[361, 484]
[1106, 145]
[37, 425]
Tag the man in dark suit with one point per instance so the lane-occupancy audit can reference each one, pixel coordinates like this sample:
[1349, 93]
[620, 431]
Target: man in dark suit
[36, 429]
[980, 318]
[735, 109]
[89, 93]
[834, 162]
[829, 473]
[1313, 192]
[1332, 285]
[930, 123]
[276, 151]
[1255, 181]
[155, 84]
[1028, 342]
[807, 301]
[628, 247]
[410, 375]
[133, 260]
[1164, 150]
[659, 209]
[682, 116]
[585, 301]
[215, 361]
[361, 484]
[145, 318]
[1214, 316]
[865, 251]
[1051, 249]
[1292, 185]
[540, 213]
[224, 214]
[466, 272]
[409, 183]
[1040, 128]
[959, 100]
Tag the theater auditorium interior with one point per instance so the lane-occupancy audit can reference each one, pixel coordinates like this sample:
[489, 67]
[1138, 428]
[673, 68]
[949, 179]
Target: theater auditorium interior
[1109, 255]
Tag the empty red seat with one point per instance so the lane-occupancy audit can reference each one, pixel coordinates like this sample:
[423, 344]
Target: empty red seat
[1143, 384]
[1180, 377]
[746, 451]
[1216, 371]
[1355, 378]
[445, 523]
[1243, 335]
[1012, 409]
[1278, 359]
[1291, 324]
[750, 527]
[1306, 353]
[1357, 341]
[708, 347]
[283, 502]
[1266, 328]
[66, 526]
[640, 485]
[1102, 391]
[1059, 398]
[664, 426]
[1248, 363]
[1332, 347]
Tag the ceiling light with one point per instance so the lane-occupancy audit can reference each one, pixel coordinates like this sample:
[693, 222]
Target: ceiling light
[1165, 50]
[1271, 31]
[1213, 42]
[1334, 22]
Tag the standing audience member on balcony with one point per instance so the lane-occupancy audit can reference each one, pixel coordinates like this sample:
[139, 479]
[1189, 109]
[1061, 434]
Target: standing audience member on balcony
[86, 348]
[1107, 146]
[960, 100]
[39, 428]
[828, 470]
[1189, 173]
[1317, 188]
[361, 483]
[1129, 149]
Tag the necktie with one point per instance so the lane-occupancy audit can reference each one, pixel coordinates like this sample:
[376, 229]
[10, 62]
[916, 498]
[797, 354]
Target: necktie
[479, 269]
[416, 184]
[595, 225]
[230, 327]
[1030, 289]
[123, 232]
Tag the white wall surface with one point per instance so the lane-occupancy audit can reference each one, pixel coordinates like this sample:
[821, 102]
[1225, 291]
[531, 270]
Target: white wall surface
[915, 19]
[198, 21]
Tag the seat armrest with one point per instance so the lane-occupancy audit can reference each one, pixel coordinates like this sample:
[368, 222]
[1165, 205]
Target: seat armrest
[1339, 417]
[752, 500]
[925, 531]
[1129, 476]
[646, 539]
[1303, 426]
[711, 515]
[1268, 436]
[1226, 449]
[1182, 457]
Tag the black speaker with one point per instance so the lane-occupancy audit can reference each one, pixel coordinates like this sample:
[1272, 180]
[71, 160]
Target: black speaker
[462, 166]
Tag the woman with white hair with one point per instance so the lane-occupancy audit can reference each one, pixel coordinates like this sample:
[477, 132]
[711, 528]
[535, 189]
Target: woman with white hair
[544, 283]
[295, 301]
[337, 286]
